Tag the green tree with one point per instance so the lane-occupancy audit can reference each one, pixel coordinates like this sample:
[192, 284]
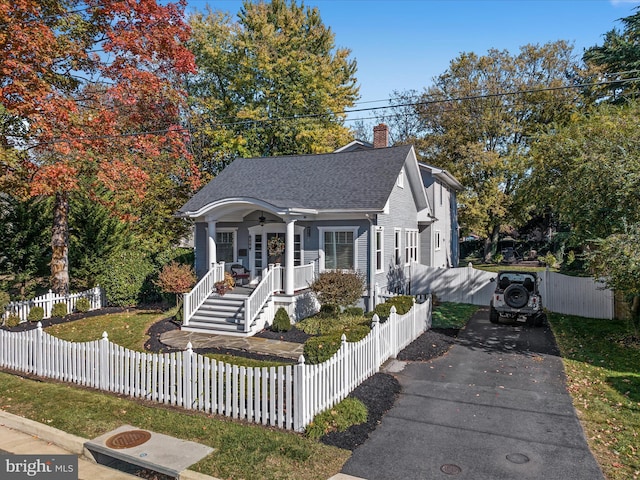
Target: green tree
[617, 260]
[617, 61]
[272, 83]
[25, 230]
[94, 236]
[479, 118]
[588, 171]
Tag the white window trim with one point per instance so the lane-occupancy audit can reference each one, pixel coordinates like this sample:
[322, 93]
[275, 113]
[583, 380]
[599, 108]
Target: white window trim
[321, 256]
[409, 246]
[233, 230]
[379, 248]
[437, 240]
[397, 246]
[400, 180]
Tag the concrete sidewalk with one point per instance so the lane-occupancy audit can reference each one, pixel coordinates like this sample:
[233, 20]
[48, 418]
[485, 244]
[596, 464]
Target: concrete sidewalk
[495, 407]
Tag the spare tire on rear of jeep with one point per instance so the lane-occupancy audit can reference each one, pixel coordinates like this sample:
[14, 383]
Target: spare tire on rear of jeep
[516, 295]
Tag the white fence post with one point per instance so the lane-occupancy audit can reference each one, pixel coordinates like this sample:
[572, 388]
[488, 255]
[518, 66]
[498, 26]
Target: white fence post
[38, 347]
[186, 375]
[300, 395]
[103, 365]
[375, 329]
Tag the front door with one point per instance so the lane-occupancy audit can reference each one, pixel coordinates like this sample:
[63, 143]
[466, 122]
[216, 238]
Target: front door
[268, 248]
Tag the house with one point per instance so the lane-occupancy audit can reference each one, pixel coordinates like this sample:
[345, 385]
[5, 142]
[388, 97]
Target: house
[370, 208]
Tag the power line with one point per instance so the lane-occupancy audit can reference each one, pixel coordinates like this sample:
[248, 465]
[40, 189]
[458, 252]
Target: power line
[178, 129]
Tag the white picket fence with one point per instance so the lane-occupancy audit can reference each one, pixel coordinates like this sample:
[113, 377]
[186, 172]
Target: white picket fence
[48, 300]
[286, 397]
[579, 296]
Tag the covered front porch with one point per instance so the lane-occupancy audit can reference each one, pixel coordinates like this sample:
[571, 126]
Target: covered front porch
[264, 249]
[248, 236]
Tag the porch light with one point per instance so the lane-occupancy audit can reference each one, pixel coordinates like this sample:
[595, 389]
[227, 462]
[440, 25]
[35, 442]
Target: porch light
[262, 220]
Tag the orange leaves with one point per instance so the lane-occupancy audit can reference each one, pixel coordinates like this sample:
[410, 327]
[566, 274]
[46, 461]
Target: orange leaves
[49, 179]
[118, 175]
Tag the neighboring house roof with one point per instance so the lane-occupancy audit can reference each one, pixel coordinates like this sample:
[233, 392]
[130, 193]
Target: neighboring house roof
[355, 145]
[351, 180]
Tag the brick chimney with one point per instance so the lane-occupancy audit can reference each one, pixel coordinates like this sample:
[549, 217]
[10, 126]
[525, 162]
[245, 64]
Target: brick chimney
[380, 136]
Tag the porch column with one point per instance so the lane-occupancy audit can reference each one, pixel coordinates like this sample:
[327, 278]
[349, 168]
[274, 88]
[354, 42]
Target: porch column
[289, 247]
[211, 244]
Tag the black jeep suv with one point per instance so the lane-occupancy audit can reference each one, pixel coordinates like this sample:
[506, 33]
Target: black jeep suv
[517, 298]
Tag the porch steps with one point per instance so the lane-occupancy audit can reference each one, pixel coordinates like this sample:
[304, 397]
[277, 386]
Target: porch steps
[222, 315]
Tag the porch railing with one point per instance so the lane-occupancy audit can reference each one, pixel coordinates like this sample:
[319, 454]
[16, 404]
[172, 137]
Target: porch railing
[303, 276]
[196, 297]
[271, 283]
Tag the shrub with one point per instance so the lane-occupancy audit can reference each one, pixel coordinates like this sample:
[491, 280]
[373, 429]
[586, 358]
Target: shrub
[178, 317]
[327, 310]
[176, 278]
[83, 305]
[348, 412]
[12, 320]
[354, 311]
[339, 289]
[59, 310]
[403, 304]
[5, 300]
[322, 348]
[124, 277]
[319, 325]
[35, 314]
[281, 322]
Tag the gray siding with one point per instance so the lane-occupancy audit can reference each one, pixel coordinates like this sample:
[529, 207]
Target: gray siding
[403, 215]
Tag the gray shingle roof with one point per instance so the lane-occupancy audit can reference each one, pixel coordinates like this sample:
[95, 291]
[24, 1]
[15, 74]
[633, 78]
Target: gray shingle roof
[357, 180]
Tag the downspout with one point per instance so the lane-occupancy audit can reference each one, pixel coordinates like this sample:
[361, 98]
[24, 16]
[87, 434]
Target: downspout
[372, 260]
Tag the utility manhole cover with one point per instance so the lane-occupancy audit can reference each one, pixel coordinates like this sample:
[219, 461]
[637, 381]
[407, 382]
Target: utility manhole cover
[450, 469]
[518, 458]
[129, 439]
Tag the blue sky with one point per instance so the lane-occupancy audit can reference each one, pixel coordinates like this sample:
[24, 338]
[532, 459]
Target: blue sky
[403, 44]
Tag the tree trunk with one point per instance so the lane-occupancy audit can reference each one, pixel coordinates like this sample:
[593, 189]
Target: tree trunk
[490, 244]
[60, 245]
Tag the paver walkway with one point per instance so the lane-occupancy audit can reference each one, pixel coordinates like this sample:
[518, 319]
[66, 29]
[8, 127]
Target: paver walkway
[180, 339]
[495, 407]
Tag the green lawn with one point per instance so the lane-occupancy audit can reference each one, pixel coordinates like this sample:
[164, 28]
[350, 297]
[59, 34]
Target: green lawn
[241, 450]
[452, 315]
[127, 329]
[602, 361]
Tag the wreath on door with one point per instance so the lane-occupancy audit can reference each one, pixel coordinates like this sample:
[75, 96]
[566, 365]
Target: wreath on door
[275, 246]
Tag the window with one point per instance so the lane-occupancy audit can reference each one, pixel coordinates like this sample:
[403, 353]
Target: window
[379, 246]
[225, 246]
[411, 246]
[437, 240]
[397, 246]
[441, 193]
[400, 181]
[338, 248]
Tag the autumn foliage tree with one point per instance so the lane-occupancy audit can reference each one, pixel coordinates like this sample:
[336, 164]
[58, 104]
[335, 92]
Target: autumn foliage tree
[90, 104]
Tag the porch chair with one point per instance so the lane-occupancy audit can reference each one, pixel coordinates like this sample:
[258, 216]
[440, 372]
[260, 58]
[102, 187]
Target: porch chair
[240, 274]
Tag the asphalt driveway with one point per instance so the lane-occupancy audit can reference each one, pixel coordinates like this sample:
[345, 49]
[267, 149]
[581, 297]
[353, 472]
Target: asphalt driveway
[494, 407]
